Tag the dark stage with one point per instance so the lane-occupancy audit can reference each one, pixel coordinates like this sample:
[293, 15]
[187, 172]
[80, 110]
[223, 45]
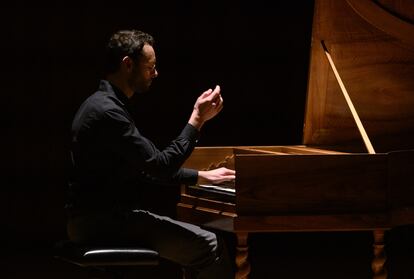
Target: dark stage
[257, 51]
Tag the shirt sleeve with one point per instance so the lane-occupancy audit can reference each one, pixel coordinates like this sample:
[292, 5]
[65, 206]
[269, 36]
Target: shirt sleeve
[144, 156]
[183, 175]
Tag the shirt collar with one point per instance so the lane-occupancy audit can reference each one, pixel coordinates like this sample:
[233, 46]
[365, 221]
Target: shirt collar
[106, 86]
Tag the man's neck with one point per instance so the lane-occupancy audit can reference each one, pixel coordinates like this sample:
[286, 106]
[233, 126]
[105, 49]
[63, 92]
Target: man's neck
[121, 84]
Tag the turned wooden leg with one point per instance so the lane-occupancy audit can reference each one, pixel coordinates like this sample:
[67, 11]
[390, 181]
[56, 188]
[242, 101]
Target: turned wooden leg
[378, 263]
[242, 250]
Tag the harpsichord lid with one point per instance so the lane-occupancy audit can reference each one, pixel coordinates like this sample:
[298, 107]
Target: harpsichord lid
[372, 46]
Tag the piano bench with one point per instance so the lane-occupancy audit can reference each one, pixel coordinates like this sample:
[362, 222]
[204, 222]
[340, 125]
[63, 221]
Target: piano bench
[112, 260]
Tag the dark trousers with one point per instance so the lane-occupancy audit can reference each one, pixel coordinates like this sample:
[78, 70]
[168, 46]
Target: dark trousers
[200, 252]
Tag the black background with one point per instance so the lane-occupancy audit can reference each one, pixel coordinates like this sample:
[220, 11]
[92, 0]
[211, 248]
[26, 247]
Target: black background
[258, 51]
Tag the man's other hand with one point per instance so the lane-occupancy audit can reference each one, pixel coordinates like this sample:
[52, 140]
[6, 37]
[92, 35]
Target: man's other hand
[208, 105]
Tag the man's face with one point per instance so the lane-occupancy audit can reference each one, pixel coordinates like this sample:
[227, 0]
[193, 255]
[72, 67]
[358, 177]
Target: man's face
[143, 71]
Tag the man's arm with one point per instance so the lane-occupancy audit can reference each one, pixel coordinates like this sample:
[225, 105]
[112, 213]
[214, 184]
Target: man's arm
[207, 106]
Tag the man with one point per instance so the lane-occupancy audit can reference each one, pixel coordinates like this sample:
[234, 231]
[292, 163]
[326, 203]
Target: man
[112, 162]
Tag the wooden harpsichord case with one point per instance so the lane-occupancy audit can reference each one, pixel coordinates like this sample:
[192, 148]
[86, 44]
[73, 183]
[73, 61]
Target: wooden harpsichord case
[355, 168]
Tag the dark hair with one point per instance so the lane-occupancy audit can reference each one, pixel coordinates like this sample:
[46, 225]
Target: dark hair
[125, 43]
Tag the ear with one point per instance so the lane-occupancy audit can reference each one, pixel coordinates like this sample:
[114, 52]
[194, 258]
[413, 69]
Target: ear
[127, 63]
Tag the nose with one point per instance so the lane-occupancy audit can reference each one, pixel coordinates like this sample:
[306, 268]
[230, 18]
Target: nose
[155, 73]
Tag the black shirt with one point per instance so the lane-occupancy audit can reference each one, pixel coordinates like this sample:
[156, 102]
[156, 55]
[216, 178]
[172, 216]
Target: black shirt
[112, 160]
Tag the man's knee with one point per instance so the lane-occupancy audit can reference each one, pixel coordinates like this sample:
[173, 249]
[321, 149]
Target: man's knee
[206, 252]
[215, 264]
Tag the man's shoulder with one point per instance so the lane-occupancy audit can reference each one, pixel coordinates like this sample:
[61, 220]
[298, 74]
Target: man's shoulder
[101, 102]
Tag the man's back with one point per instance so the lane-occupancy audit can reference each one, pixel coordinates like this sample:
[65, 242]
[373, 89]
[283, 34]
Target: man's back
[112, 161]
[99, 169]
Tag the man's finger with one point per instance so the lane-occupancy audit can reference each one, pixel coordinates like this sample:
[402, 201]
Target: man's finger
[206, 93]
[215, 93]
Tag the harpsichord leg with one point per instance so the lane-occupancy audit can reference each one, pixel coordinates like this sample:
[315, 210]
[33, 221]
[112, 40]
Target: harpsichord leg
[378, 263]
[242, 250]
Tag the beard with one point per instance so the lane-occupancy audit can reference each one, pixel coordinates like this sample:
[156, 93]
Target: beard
[139, 85]
[142, 88]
